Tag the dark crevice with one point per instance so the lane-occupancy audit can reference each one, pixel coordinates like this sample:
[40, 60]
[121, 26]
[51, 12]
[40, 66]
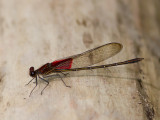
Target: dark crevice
[147, 105]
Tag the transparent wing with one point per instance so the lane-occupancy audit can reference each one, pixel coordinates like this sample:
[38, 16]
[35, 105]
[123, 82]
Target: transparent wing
[94, 56]
[84, 59]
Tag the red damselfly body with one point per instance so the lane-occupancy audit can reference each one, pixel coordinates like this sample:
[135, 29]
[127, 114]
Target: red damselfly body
[78, 62]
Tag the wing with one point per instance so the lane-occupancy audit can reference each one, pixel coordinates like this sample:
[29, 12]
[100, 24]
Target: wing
[84, 59]
[89, 57]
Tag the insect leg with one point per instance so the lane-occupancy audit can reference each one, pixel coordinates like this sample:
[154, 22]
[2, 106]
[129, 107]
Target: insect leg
[65, 74]
[45, 81]
[63, 81]
[34, 87]
[50, 76]
[108, 70]
[29, 82]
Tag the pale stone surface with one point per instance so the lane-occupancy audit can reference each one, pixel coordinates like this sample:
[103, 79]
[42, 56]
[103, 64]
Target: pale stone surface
[33, 33]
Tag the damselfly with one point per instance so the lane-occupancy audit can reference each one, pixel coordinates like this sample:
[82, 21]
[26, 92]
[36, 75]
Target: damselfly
[78, 62]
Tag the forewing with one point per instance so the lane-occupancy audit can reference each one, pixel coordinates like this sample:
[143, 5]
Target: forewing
[87, 58]
[96, 55]
[62, 64]
[92, 56]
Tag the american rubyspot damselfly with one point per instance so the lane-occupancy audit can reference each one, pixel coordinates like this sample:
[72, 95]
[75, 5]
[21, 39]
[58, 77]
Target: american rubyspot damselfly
[78, 62]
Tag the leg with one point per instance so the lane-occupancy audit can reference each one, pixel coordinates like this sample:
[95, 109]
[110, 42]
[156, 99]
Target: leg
[45, 81]
[34, 87]
[108, 70]
[49, 76]
[63, 81]
[29, 82]
[65, 74]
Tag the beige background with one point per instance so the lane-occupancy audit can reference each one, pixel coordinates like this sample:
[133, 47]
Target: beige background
[33, 33]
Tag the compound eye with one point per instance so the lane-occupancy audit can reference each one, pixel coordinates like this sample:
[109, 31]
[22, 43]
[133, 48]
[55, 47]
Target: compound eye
[32, 72]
